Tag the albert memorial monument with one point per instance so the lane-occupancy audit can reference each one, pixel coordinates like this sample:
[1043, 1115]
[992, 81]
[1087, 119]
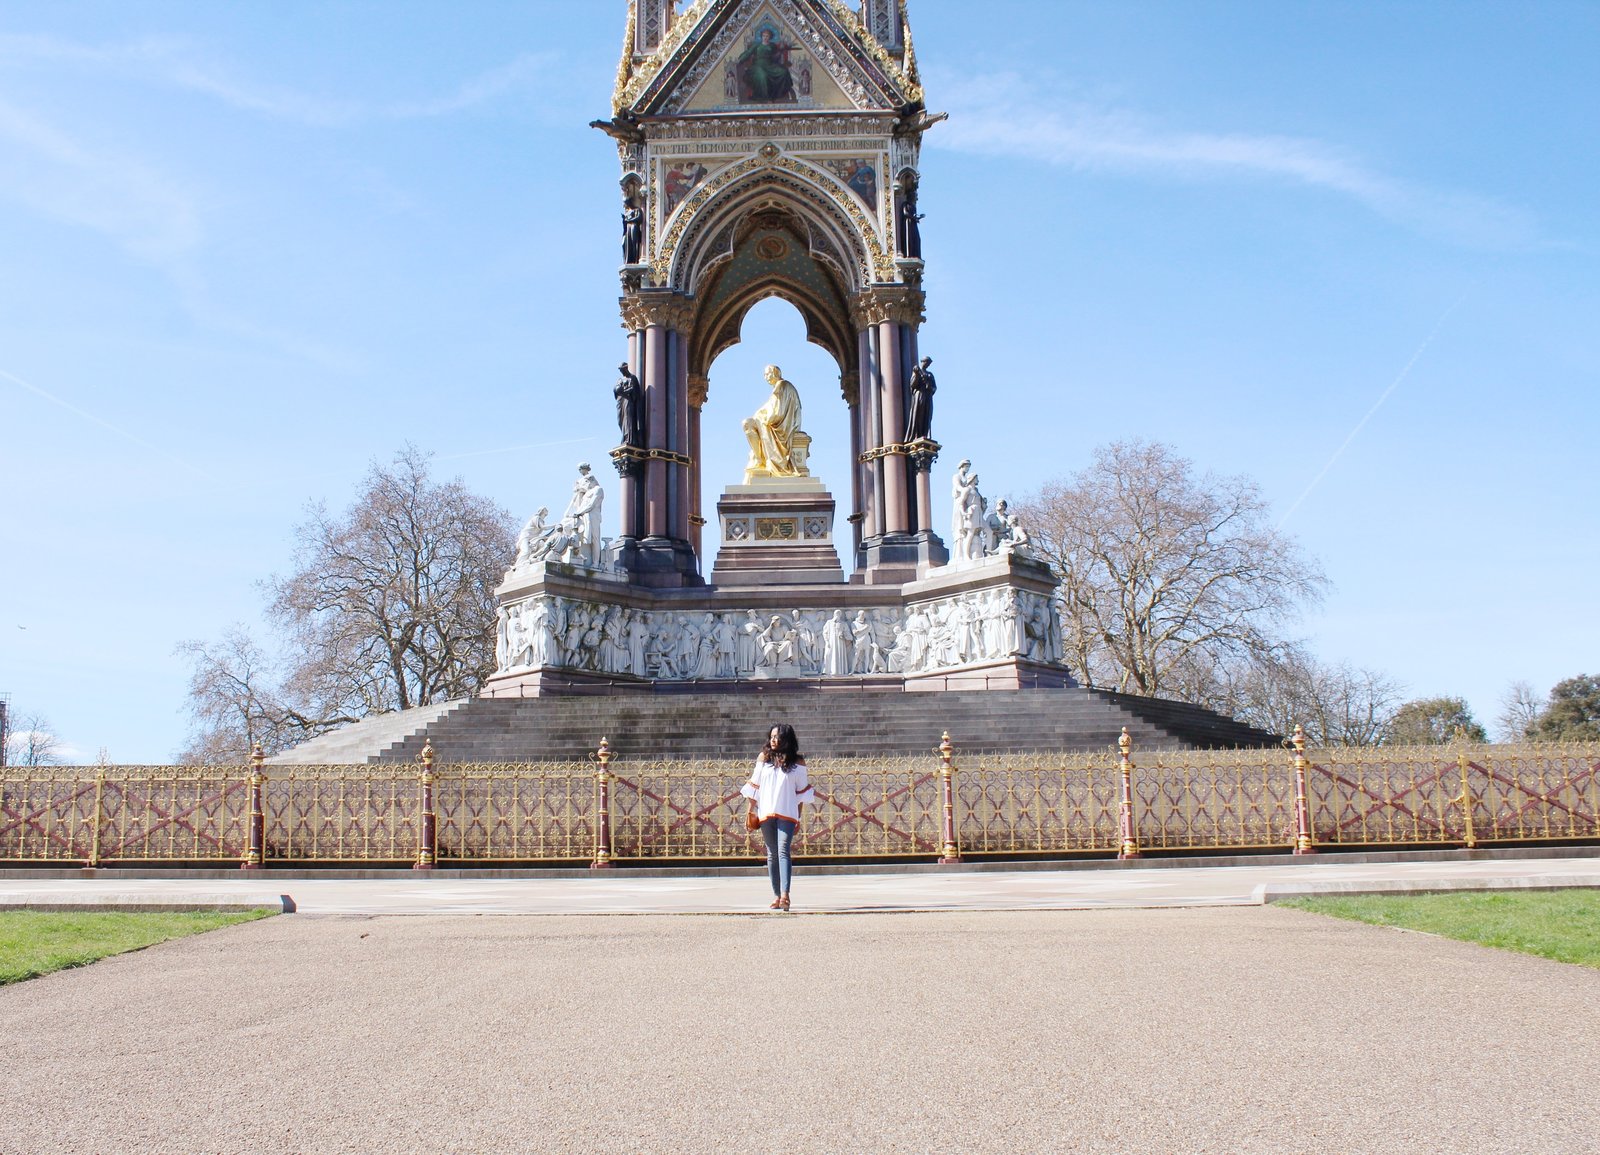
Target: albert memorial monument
[770, 148]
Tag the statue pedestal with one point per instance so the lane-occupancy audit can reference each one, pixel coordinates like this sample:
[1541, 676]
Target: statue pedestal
[776, 531]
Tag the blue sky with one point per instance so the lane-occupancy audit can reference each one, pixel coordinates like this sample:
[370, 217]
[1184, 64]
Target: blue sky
[1348, 249]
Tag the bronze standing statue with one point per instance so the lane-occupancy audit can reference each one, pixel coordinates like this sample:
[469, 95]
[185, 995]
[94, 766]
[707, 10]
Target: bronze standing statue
[630, 407]
[910, 223]
[919, 422]
[632, 231]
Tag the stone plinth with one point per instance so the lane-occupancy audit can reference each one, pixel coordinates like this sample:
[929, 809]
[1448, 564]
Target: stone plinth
[776, 531]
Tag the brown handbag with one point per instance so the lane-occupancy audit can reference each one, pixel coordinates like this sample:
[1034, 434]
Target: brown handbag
[752, 820]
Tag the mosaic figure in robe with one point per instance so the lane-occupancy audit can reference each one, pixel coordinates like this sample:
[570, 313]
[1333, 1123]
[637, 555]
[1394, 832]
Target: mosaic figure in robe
[764, 67]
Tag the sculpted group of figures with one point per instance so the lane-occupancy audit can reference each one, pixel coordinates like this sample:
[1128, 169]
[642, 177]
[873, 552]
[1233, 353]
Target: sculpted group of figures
[574, 538]
[976, 531]
[552, 632]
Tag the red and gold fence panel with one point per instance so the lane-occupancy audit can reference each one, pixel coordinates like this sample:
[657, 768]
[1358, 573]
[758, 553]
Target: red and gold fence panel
[1214, 799]
[1534, 794]
[1385, 796]
[865, 808]
[342, 813]
[872, 808]
[101, 814]
[526, 812]
[1445, 795]
[680, 809]
[1036, 803]
[174, 813]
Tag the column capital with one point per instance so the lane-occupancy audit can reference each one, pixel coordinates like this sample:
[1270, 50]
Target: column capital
[850, 386]
[899, 303]
[699, 389]
[659, 307]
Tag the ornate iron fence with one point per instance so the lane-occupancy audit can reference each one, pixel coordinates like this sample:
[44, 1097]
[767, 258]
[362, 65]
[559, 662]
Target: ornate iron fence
[941, 805]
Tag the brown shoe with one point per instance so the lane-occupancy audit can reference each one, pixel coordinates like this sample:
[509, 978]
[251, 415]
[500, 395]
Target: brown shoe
[785, 902]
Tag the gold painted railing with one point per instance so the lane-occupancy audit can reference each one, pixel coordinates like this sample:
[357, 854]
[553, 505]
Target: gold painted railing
[945, 805]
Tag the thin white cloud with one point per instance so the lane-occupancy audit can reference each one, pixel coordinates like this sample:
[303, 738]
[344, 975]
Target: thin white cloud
[116, 195]
[103, 423]
[178, 64]
[999, 116]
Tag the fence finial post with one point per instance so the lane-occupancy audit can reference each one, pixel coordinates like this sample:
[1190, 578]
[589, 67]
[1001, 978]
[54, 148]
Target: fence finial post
[602, 805]
[1463, 764]
[1302, 804]
[428, 835]
[950, 852]
[256, 831]
[1130, 827]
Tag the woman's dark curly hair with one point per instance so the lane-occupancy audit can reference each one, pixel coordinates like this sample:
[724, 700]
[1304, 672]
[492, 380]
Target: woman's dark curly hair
[788, 752]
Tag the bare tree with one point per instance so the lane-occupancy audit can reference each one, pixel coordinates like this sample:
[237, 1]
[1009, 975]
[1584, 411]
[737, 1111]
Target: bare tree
[234, 702]
[1167, 577]
[1338, 705]
[32, 742]
[1520, 708]
[390, 605]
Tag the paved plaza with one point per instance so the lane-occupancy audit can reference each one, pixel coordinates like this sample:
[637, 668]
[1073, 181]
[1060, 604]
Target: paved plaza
[622, 891]
[1207, 1029]
[1135, 1010]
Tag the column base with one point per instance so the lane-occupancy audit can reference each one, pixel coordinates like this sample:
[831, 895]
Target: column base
[898, 558]
[658, 562]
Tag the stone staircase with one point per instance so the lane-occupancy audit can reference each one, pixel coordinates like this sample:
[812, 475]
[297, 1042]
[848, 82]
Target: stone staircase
[830, 723]
[359, 742]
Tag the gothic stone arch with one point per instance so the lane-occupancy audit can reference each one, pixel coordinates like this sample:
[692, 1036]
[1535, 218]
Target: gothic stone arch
[737, 191]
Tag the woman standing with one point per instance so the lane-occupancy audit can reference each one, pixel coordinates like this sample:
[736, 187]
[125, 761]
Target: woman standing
[779, 787]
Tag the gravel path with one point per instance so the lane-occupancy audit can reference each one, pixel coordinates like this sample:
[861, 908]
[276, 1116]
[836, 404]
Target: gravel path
[1233, 1031]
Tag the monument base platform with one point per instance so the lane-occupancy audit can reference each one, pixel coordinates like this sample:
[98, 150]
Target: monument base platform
[776, 531]
[574, 630]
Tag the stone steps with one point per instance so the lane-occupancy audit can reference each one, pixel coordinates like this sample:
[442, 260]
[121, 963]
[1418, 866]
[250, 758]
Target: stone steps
[830, 724]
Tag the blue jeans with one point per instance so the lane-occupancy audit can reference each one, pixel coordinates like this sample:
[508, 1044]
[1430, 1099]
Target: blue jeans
[778, 833]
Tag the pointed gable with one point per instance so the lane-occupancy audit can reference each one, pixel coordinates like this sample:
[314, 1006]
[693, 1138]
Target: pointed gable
[765, 56]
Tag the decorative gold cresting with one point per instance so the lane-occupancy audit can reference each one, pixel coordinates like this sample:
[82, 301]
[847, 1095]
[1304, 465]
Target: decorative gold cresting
[631, 83]
[884, 58]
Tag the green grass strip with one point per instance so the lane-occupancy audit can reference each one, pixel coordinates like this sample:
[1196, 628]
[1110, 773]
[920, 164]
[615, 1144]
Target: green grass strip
[36, 942]
[1563, 924]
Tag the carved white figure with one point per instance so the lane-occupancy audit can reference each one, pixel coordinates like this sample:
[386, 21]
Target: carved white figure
[531, 542]
[614, 642]
[864, 655]
[777, 645]
[572, 638]
[994, 527]
[807, 646]
[917, 629]
[1017, 539]
[686, 657]
[749, 639]
[837, 646]
[584, 512]
[966, 515]
[661, 657]
[639, 630]
[724, 646]
[898, 658]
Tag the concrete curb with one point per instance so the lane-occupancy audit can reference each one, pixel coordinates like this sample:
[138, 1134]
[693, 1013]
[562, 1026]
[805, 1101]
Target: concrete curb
[1268, 894]
[141, 903]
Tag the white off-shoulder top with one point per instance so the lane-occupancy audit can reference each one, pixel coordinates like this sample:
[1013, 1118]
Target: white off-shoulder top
[776, 794]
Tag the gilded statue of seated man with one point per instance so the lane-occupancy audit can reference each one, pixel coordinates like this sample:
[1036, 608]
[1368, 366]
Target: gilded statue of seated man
[778, 447]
